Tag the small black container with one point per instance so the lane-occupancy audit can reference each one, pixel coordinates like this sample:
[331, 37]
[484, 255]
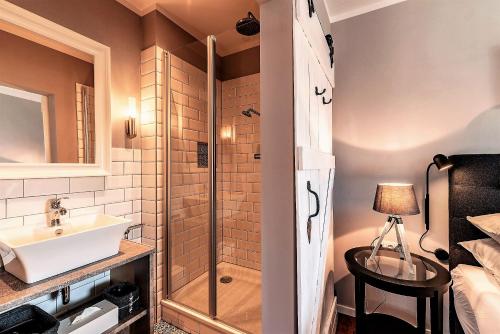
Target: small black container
[28, 319]
[125, 296]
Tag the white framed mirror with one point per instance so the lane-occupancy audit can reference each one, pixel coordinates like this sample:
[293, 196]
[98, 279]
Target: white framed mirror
[55, 110]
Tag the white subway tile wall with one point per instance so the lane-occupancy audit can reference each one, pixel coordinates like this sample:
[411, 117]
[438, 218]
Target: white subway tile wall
[79, 184]
[241, 172]
[151, 104]
[24, 202]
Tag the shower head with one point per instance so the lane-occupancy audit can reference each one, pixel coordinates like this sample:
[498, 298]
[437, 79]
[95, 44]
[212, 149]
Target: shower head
[248, 26]
[249, 112]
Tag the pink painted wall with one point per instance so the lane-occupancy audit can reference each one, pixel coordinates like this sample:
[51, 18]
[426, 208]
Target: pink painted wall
[33, 67]
[112, 24]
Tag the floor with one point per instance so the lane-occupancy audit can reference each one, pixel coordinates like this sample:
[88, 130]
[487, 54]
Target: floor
[163, 328]
[239, 301]
[346, 325]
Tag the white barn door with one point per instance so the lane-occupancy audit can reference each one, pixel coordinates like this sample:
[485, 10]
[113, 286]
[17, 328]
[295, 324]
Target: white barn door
[315, 166]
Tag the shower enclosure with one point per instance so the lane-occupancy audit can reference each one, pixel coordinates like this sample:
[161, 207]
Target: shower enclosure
[211, 187]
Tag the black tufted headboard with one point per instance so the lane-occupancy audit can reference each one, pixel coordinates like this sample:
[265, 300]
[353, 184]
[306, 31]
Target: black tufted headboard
[474, 189]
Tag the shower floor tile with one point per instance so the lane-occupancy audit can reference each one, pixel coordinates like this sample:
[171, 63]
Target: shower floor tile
[238, 302]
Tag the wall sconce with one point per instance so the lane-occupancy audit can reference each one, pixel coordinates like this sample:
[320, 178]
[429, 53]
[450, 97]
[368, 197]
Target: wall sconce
[226, 132]
[130, 128]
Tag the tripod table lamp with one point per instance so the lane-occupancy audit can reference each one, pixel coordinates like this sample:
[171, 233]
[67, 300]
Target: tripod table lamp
[396, 200]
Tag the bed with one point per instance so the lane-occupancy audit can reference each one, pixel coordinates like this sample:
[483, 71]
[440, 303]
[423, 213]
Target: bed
[474, 189]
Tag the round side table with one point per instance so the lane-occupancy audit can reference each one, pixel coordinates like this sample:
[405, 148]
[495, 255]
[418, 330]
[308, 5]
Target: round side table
[390, 273]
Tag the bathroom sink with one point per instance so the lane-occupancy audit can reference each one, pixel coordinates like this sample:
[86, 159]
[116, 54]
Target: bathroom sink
[42, 252]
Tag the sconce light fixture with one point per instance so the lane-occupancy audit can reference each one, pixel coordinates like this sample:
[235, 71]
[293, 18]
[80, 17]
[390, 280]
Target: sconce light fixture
[226, 132]
[442, 163]
[130, 128]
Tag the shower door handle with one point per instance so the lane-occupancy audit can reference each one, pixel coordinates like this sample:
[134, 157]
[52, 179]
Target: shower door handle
[309, 222]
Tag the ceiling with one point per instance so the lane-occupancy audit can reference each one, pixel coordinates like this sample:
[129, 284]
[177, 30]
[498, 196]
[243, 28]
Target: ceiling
[339, 10]
[218, 17]
[205, 17]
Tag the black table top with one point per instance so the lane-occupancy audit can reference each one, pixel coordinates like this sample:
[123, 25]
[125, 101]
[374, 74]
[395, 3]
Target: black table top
[390, 273]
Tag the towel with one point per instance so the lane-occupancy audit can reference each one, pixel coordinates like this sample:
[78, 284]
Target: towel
[6, 253]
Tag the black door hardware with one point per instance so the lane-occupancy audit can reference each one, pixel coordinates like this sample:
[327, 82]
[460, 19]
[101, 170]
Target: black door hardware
[311, 7]
[327, 102]
[316, 90]
[329, 41]
[309, 223]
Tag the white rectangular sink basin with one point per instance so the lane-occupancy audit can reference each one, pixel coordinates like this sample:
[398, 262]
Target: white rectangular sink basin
[40, 252]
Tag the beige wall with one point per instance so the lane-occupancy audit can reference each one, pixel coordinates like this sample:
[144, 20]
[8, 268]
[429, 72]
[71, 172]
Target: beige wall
[110, 23]
[161, 31]
[279, 287]
[241, 64]
[412, 80]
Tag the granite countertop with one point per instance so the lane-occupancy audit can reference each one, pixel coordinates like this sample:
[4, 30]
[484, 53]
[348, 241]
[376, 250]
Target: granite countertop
[14, 292]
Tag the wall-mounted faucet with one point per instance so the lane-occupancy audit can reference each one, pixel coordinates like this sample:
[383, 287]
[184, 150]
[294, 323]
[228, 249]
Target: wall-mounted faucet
[56, 211]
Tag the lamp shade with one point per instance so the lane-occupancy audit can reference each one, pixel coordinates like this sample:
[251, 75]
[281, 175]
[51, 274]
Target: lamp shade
[442, 162]
[396, 199]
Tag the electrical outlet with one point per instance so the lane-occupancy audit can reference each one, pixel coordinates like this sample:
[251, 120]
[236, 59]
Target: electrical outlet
[389, 244]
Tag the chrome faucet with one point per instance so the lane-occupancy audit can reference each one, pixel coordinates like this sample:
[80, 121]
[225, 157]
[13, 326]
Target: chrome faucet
[56, 211]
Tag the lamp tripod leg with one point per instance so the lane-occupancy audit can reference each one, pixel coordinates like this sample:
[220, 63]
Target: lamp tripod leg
[400, 233]
[386, 229]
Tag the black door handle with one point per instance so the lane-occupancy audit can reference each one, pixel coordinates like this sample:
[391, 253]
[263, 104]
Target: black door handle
[309, 223]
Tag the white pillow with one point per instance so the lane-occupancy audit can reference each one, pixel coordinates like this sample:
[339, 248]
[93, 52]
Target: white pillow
[477, 299]
[487, 253]
[489, 224]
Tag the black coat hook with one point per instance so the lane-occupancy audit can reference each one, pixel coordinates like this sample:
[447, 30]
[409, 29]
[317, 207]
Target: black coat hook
[327, 102]
[316, 90]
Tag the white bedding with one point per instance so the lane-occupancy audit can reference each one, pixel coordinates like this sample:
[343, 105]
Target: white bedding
[477, 299]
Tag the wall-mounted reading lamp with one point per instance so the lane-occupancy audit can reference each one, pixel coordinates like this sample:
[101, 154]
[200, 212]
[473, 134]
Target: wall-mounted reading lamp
[130, 128]
[442, 163]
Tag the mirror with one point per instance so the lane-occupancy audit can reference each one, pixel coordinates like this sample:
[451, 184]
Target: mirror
[54, 99]
[46, 104]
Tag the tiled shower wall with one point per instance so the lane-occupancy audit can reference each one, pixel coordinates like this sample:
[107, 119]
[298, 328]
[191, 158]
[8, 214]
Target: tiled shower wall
[241, 172]
[24, 202]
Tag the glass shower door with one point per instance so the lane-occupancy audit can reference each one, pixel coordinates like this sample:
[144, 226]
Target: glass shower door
[213, 205]
[188, 173]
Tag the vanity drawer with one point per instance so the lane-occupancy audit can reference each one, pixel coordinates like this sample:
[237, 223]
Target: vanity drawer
[306, 15]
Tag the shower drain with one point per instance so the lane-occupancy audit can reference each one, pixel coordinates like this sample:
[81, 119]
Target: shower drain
[226, 279]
